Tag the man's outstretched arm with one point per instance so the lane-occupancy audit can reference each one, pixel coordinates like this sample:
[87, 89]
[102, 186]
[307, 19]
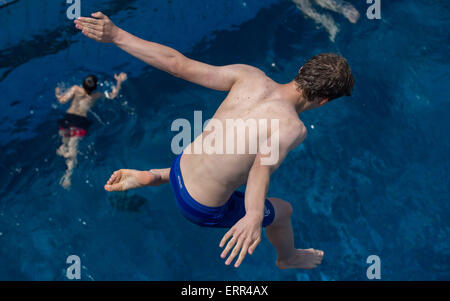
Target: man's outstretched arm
[65, 97]
[102, 29]
[116, 89]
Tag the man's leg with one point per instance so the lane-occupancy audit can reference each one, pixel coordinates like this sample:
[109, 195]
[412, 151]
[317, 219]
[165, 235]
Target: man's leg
[62, 150]
[281, 236]
[71, 161]
[125, 179]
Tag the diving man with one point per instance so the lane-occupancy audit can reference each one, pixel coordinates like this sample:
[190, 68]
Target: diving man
[206, 185]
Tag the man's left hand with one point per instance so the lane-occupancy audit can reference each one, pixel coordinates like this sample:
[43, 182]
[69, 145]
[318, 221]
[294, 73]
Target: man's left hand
[245, 236]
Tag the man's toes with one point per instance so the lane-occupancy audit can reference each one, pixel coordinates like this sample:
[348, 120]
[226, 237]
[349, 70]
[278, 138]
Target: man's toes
[318, 253]
[113, 177]
[114, 187]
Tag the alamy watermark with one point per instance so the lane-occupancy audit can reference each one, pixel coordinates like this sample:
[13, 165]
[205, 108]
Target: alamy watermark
[374, 270]
[74, 10]
[73, 272]
[229, 136]
[374, 10]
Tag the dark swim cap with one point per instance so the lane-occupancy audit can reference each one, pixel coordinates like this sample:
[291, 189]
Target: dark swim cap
[90, 84]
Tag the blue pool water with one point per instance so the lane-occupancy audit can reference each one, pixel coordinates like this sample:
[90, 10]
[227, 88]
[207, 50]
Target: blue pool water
[372, 177]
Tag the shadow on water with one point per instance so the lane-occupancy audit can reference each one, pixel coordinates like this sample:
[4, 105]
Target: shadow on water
[5, 3]
[126, 202]
[51, 41]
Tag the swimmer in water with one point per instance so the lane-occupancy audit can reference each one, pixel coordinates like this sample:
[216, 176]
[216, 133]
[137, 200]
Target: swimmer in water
[73, 127]
[325, 20]
[205, 184]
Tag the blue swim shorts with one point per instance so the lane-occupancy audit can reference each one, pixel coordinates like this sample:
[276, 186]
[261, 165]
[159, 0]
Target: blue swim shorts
[217, 217]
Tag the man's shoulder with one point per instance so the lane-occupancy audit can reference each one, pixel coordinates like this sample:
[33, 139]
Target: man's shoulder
[249, 73]
[294, 131]
[77, 89]
[247, 68]
[293, 123]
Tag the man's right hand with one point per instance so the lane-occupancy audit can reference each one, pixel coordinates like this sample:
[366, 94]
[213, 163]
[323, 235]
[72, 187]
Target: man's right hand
[121, 77]
[99, 28]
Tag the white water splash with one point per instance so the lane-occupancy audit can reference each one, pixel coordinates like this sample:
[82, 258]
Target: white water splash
[96, 117]
[326, 20]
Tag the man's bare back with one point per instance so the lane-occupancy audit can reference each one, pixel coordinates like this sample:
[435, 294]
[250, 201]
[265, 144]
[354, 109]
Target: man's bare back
[256, 97]
[82, 102]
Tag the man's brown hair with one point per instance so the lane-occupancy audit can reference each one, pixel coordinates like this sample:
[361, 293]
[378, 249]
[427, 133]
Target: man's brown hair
[325, 76]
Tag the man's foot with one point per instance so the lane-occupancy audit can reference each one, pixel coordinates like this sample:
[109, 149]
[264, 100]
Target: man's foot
[126, 179]
[302, 259]
[65, 182]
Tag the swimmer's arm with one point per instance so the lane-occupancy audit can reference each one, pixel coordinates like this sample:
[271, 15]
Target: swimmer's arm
[116, 89]
[259, 175]
[257, 185]
[220, 78]
[256, 190]
[65, 97]
[245, 235]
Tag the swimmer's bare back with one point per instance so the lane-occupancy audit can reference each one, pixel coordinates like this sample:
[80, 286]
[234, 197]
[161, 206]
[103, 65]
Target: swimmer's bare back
[81, 103]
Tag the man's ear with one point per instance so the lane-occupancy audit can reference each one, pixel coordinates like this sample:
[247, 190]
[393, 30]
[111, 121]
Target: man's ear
[324, 101]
